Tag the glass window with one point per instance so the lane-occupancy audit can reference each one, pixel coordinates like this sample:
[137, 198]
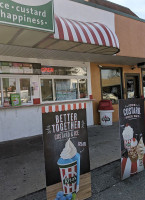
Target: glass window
[25, 90]
[83, 88]
[46, 90]
[111, 84]
[9, 87]
[66, 89]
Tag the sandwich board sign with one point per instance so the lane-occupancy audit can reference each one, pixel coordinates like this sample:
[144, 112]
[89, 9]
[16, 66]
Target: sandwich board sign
[33, 14]
[132, 134]
[66, 152]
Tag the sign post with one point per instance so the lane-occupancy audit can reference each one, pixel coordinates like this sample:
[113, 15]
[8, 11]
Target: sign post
[132, 134]
[66, 152]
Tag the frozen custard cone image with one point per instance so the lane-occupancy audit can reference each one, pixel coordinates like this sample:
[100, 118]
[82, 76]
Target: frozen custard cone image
[69, 166]
[140, 151]
[32, 2]
[132, 153]
[127, 137]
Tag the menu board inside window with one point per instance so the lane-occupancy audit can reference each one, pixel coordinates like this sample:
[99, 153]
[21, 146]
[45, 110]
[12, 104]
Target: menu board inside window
[17, 68]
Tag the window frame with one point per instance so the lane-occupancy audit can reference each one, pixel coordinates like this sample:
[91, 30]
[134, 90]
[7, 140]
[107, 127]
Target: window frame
[17, 78]
[121, 81]
[54, 77]
[142, 81]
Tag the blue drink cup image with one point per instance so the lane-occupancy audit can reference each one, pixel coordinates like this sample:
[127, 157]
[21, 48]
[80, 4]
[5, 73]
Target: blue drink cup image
[70, 173]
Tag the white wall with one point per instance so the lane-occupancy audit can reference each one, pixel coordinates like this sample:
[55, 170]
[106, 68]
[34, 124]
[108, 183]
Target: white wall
[20, 122]
[77, 11]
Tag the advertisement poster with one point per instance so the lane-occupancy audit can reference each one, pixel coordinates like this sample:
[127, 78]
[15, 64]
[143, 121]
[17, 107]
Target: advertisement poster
[15, 99]
[66, 153]
[131, 124]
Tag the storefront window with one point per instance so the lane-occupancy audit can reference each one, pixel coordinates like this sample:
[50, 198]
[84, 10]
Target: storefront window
[25, 90]
[111, 84]
[65, 89]
[46, 90]
[9, 87]
[83, 88]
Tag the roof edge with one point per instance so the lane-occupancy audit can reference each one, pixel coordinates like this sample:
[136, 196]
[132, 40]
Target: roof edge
[108, 9]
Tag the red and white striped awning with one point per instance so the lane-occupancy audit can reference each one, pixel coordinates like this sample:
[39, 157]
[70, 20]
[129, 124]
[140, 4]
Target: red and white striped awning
[87, 33]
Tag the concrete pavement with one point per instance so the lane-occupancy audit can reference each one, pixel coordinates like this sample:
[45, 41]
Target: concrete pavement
[22, 161]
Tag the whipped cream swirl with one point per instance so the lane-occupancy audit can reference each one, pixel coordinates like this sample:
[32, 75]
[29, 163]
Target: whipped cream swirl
[69, 151]
[127, 133]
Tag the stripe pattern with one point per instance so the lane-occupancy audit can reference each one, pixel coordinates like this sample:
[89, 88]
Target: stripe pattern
[84, 32]
[66, 174]
[129, 168]
[63, 107]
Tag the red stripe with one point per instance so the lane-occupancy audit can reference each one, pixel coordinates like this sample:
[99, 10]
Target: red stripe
[60, 28]
[50, 108]
[68, 30]
[43, 109]
[75, 168]
[56, 108]
[69, 107]
[77, 31]
[65, 190]
[63, 107]
[92, 32]
[63, 172]
[100, 34]
[108, 34]
[80, 106]
[133, 167]
[123, 164]
[74, 106]
[84, 31]
[84, 105]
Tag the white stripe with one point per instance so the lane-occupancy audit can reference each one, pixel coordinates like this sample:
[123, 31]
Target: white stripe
[46, 109]
[65, 32]
[83, 105]
[71, 106]
[53, 108]
[75, 38]
[66, 107]
[96, 33]
[104, 33]
[111, 35]
[77, 106]
[88, 33]
[81, 32]
[60, 107]
[127, 169]
[56, 35]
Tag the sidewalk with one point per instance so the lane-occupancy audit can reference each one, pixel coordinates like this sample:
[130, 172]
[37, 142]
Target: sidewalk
[22, 162]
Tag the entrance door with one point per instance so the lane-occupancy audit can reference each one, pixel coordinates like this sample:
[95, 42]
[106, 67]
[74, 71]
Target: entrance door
[132, 86]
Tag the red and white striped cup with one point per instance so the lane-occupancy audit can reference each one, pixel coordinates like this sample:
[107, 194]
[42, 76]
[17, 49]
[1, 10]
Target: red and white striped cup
[68, 173]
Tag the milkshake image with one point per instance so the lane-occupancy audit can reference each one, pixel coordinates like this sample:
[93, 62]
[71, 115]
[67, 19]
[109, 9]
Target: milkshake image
[140, 151]
[69, 166]
[127, 137]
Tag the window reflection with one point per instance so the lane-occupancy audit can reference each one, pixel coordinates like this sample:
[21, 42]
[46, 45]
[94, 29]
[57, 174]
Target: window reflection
[83, 88]
[9, 87]
[66, 89]
[25, 90]
[111, 84]
[46, 90]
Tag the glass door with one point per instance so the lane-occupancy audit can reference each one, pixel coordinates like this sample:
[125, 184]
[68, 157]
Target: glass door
[132, 87]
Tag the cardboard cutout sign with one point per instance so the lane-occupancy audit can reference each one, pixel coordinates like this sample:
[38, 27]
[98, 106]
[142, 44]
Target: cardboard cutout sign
[66, 152]
[131, 116]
